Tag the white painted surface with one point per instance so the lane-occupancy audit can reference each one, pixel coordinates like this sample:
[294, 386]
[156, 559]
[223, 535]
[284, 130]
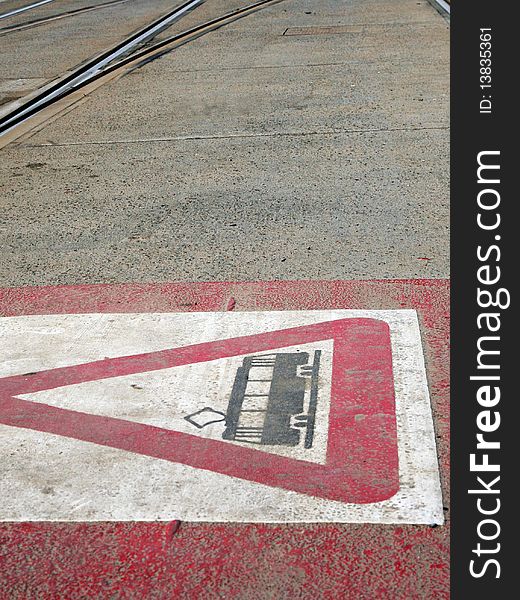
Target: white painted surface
[48, 477]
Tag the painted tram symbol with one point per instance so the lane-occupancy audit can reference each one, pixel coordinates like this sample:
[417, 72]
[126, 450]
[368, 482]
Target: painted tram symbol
[271, 401]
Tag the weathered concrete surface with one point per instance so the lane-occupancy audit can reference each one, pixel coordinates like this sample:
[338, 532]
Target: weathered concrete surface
[279, 99]
[248, 154]
[342, 205]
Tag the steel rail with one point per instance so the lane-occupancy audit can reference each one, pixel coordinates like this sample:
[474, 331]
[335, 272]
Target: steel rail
[57, 17]
[22, 9]
[442, 6]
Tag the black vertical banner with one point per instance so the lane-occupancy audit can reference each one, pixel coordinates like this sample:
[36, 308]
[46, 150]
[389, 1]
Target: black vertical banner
[483, 229]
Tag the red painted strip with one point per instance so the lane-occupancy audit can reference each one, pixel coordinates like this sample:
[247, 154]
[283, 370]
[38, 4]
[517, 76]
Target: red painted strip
[362, 462]
[216, 296]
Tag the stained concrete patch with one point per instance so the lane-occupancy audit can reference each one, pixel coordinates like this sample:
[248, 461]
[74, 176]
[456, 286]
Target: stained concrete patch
[53, 477]
[345, 206]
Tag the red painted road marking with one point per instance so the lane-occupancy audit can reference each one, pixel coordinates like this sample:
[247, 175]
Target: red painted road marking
[65, 560]
[362, 462]
[208, 296]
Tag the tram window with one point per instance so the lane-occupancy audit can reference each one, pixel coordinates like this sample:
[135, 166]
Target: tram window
[255, 403]
[258, 387]
[261, 373]
[251, 419]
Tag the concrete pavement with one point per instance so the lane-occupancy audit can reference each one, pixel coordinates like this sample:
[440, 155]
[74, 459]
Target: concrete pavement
[248, 154]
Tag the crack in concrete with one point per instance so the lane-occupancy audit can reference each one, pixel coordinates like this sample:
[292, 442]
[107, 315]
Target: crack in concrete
[231, 136]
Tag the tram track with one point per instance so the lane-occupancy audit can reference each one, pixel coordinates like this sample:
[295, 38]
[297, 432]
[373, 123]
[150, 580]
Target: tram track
[442, 6]
[119, 60]
[23, 9]
[90, 69]
[57, 17]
